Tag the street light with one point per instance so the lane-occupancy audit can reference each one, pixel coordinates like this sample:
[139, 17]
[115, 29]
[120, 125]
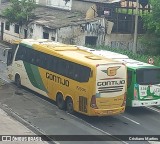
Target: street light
[135, 28]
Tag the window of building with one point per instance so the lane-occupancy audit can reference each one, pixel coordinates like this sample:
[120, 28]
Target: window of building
[25, 33]
[16, 29]
[45, 35]
[53, 38]
[31, 30]
[7, 26]
[91, 40]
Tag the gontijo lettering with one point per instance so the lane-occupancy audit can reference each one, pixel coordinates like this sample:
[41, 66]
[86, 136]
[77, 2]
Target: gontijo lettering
[57, 79]
[108, 83]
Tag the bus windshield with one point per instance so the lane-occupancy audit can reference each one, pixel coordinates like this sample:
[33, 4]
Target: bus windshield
[148, 76]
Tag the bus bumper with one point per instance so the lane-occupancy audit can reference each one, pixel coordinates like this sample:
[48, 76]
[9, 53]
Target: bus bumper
[107, 112]
[138, 103]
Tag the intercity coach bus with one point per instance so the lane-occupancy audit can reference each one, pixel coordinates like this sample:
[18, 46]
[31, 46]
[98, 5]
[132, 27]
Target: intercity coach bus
[143, 80]
[77, 80]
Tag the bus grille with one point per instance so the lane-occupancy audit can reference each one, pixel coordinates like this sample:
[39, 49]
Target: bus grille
[82, 104]
[110, 89]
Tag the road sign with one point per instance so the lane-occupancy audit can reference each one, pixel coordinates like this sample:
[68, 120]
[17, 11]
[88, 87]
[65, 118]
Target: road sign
[151, 61]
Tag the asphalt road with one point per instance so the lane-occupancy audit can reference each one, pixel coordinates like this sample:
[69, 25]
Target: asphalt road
[43, 115]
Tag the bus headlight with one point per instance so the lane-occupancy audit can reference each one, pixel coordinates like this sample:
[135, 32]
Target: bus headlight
[93, 102]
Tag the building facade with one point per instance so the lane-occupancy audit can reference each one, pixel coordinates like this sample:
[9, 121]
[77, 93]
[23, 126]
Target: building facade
[57, 25]
[78, 22]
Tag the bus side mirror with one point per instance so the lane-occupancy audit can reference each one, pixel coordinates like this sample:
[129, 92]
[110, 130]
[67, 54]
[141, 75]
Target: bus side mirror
[4, 52]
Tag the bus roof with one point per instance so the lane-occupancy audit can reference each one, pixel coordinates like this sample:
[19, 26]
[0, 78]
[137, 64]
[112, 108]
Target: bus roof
[119, 57]
[68, 51]
[104, 53]
[134, 63]
[39, 41]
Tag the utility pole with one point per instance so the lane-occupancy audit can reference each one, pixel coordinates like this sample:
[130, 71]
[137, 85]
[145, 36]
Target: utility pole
[135, 28]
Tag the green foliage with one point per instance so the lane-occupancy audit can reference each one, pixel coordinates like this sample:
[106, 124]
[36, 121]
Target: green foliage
[129, 11]
[130, 54]
[19, 12]
[151, 44]
[151, 39]
[152, 20]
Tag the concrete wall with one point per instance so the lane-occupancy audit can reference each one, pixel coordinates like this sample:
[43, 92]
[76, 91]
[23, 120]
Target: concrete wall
[91, 12]
[74, 35]
[122, 41]
[81, 6]
[37, 31]
[118, 37]
[10, 35]
[71, 35]
[61, 4]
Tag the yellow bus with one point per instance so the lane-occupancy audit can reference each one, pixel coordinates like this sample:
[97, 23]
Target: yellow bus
[76, 79]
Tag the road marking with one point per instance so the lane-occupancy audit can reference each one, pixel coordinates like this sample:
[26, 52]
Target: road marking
[154, 109]
[96, 128]
[131, 120]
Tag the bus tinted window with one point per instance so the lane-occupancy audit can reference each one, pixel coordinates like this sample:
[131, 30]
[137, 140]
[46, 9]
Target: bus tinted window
[148, 76]
[19, 55]
[60, 66]
[129, 78]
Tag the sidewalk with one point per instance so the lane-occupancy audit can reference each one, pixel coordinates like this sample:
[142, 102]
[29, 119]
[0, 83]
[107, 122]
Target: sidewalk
[9, 126]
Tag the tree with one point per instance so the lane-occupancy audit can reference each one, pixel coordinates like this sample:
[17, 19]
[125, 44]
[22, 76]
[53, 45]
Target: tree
[20, 11]
[151, 39]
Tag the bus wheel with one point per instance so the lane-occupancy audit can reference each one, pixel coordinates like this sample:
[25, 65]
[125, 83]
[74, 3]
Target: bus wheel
[18, 81]
[60, 101]
[69, 106]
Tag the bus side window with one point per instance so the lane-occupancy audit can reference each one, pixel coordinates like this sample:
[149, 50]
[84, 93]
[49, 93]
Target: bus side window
[9, 58]
[71, 70]
[54, 64]
[38, 59]
[27, 55]
[24, 53]
[129, 78]
[33, 57]
[41, 60]
[19, 53]
[59, 67]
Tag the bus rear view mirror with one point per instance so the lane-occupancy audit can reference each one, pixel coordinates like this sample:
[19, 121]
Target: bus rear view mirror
[5, 51]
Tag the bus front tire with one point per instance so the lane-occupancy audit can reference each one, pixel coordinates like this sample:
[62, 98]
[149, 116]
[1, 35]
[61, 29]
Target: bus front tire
[18, 81]
[69, 106]
[60, 101]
